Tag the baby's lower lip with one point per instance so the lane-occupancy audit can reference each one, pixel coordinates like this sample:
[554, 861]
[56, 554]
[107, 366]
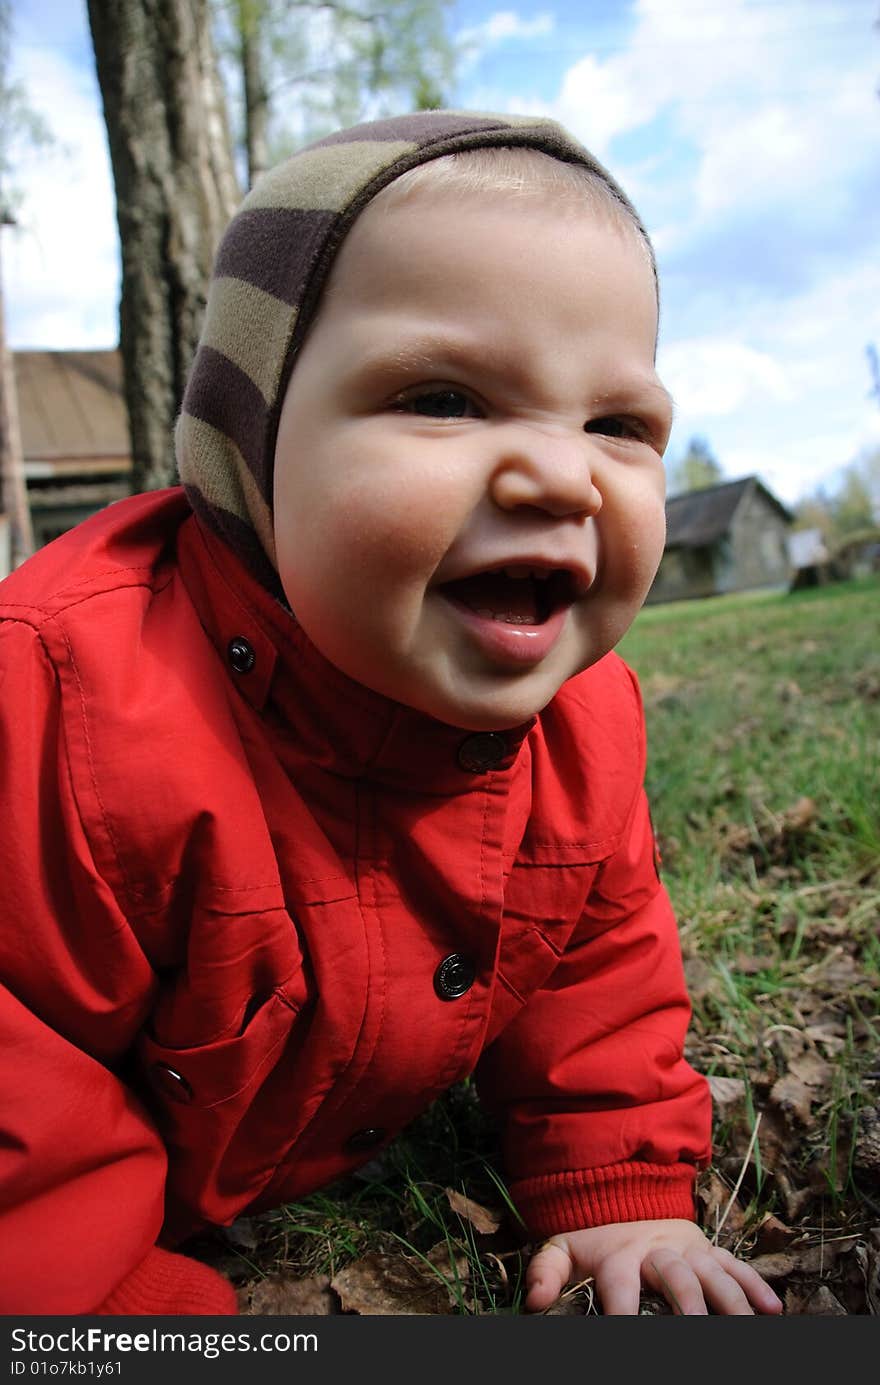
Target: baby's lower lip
[510, 642]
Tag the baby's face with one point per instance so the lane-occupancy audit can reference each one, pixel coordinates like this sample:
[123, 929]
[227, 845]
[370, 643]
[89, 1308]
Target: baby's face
[469, 491]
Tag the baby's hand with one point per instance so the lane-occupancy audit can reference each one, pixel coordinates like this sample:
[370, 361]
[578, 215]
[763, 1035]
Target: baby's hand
[671, 1257]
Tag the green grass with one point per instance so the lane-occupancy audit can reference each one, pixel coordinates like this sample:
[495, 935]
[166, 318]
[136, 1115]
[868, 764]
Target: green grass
[763, 715]
[763, 719]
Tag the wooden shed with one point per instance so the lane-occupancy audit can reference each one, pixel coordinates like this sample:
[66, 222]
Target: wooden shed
[74, 432]
[727, 538]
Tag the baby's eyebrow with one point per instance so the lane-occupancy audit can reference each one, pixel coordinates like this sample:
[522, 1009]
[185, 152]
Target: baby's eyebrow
[658, 390]
[423, 354]
[635, 389]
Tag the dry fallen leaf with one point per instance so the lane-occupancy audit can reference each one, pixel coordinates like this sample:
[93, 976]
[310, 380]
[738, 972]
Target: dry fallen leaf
[484, 1221]
[800, 815]
[809, 1259]
[867, 1255]
[773, 1235]
[746, 964]
[796, 1200]
[788, 690]
[838, 973]
[281, 1295]
[831, 1035]
[793, 1097]
[714, 1196]
[812, 1070]
[822, 1303]
[728, 1096]
[397, 1285]
[866, 1154]
[778, 1138]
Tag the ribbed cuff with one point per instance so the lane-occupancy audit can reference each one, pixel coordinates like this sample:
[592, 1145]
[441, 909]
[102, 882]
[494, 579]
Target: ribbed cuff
[574, 1200]
[166, 1283]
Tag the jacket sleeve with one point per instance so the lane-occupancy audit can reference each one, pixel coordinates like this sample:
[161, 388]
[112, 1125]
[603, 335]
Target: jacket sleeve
[604, 1120]
[82, 1167]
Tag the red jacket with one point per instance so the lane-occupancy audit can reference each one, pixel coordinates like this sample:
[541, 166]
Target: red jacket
[256, 917]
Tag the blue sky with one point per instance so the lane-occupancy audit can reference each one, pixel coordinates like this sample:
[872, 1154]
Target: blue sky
[747, 132]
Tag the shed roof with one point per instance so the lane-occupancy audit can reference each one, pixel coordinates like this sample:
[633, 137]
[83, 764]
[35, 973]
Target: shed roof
[695, 519]
[72, 411]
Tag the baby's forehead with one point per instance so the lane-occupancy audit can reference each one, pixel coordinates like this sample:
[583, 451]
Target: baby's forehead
[513, 177]
[431, 227]
[507, 183]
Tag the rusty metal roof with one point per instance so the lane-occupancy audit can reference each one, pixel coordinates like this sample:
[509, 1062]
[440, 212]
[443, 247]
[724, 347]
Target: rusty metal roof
[72, 412]
[696, 519]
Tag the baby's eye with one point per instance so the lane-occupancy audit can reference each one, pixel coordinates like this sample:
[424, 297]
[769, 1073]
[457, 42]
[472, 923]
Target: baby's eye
[438, 404]
[615, 427]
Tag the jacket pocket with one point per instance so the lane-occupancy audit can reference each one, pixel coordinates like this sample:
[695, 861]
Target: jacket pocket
[542, 906]
[226, 1112]
[213, 1073]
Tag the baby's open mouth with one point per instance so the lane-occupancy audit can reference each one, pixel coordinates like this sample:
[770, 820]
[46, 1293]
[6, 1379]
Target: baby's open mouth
[514, 595]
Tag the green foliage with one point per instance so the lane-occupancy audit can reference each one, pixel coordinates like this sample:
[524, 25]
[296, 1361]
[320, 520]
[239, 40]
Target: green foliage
[696, 470]
[764, 777]
[857, 502]
[20, 125]
[326, 65]
[854, 506]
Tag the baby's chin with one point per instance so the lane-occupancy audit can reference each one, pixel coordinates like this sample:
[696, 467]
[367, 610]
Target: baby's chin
[492, 713]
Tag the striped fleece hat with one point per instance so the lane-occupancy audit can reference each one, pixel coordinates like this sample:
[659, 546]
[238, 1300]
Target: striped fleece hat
[270, 269]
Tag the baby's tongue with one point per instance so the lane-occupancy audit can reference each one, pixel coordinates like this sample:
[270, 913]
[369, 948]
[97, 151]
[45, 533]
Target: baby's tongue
[494, 594]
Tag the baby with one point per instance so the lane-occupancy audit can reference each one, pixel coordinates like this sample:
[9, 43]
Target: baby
[321, 786]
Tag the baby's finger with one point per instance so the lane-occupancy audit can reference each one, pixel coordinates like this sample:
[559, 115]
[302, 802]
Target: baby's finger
[720, 1287]
[673, 1277]
[618, 1285]
[757, 1291]
[548, 1273]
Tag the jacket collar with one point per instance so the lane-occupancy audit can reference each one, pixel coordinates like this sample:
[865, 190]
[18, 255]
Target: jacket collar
[336, 723]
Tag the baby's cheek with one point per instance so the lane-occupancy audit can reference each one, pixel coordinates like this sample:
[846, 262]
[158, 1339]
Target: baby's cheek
[396, 535]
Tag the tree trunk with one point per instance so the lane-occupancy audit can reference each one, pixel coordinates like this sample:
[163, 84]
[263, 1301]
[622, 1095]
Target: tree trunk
[13, 487]
[250, 23]
[175, 190]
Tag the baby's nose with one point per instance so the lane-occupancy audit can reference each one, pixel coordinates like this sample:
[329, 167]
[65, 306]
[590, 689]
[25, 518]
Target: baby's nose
[545, 470]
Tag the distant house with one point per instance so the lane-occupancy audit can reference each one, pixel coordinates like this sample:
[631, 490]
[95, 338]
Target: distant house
[74, 433]
[810, 559]
[727, 538]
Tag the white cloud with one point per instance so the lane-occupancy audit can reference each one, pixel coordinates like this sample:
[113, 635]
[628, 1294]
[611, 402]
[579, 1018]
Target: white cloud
[808, 462]
[773, 99]
[711, 377]
[507, 24]
[60, 265]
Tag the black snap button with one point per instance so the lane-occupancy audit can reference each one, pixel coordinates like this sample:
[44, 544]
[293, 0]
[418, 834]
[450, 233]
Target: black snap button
[455, 975]
[171, 1083]
[362, 1140]
[482, 752]
[241, 654]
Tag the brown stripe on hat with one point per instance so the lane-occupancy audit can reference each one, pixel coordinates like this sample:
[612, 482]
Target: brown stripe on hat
[230, 487]
[253, 249]
[421, 127]
[221, 394]
[251, 328]
[270, 272]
